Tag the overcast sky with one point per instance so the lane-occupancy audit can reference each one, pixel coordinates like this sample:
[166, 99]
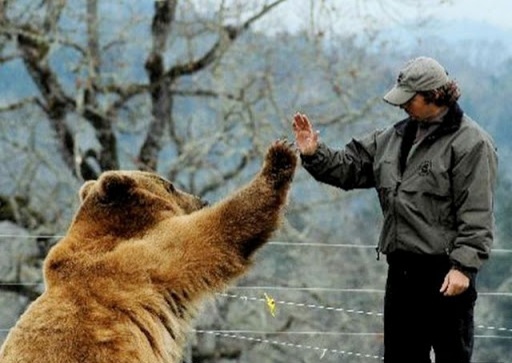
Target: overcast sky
[293, 14]
[496, 12]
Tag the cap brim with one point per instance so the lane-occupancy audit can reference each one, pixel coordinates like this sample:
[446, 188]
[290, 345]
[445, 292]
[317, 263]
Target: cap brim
[398, 96]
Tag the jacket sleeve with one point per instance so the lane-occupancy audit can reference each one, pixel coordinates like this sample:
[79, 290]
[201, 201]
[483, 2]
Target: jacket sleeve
[474, 182]
[348, 168]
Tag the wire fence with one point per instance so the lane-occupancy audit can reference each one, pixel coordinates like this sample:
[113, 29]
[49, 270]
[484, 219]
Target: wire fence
[255, 336]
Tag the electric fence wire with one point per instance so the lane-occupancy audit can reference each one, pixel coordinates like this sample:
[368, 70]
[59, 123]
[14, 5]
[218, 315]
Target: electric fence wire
[243, 334]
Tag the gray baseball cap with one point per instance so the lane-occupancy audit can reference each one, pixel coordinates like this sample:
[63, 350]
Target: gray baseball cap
[419, 74]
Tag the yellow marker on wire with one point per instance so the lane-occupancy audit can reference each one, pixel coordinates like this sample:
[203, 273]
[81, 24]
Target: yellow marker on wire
[271, 304]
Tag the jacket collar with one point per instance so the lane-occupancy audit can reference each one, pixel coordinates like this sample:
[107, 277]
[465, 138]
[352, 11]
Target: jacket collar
[451, 122]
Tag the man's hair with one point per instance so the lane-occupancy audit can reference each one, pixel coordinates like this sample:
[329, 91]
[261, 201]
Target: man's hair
[445, 95]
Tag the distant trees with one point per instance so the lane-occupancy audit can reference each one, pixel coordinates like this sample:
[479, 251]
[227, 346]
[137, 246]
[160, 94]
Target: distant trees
[101, 83]
[165, 86]
[196, 95]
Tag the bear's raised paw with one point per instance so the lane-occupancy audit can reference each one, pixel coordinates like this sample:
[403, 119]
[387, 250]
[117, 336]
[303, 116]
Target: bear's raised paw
[280, 163]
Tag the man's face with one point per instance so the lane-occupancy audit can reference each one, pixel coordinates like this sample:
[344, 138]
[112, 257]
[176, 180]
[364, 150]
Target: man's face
[418, 109]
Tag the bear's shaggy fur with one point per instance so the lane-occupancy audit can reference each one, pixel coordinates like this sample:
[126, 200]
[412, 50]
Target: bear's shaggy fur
[124, 284]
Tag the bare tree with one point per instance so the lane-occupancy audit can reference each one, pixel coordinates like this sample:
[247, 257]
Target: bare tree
[197, 96]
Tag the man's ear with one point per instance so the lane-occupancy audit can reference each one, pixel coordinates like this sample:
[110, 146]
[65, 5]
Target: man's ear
[85, 189]
[114, 187]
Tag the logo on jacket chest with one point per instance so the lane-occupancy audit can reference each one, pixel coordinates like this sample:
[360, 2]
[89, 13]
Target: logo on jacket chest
[425, 167]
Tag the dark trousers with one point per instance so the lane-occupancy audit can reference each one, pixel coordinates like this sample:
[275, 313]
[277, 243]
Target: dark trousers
[417, 317]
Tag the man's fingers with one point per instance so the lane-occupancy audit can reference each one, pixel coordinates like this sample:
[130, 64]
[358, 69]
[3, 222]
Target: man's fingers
[445, 285]
[448, 288]
[454, 283]
[301, 121]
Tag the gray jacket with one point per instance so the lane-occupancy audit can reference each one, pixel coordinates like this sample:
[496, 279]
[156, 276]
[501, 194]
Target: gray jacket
[437, 196]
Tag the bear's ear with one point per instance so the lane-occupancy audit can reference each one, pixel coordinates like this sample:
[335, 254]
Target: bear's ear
[85, 189]
[114, 187]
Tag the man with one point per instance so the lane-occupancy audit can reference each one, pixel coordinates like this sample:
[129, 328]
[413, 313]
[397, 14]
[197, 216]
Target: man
[435, 174]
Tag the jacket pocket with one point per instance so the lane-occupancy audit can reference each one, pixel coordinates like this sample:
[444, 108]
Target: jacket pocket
[434, 206]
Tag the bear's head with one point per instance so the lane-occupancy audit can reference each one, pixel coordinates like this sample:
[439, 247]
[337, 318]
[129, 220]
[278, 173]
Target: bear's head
[125, 203]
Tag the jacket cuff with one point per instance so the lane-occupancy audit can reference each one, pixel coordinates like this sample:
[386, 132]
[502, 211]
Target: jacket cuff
[307, 158]
[468, 271]
[315, 157]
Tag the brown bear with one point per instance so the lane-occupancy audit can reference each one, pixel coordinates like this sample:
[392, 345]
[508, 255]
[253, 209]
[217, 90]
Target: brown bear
[125, 282]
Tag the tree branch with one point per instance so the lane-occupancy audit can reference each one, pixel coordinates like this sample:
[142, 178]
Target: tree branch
[34, 53]
[108, 157]
[9, 58]
[28, 291]
[161, 79]
[18, 105]
[10, 31]
[161, 99]
[226, 176]
[16, 210]
[93, 48]
[53, 12]
[227, 37]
